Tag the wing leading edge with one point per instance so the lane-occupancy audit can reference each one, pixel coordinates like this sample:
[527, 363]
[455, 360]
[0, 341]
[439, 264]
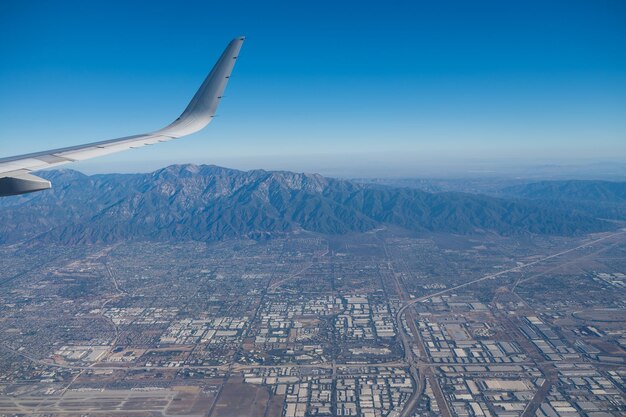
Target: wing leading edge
[15, 177]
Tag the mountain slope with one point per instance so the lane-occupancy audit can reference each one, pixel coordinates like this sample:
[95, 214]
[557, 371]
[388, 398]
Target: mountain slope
[183, 202]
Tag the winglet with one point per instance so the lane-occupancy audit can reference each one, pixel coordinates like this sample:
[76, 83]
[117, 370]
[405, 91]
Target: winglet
[202, 107]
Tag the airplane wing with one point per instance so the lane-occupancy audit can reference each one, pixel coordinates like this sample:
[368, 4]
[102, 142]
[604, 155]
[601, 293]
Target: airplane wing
[15, 171]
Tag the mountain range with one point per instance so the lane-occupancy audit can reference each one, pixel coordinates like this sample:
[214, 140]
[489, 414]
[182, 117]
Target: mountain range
[189, 202]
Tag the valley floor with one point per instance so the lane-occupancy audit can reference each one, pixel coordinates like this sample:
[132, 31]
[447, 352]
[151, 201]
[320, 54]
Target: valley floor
[372, 324]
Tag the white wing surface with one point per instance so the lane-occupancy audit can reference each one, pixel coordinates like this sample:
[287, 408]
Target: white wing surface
[15, 171]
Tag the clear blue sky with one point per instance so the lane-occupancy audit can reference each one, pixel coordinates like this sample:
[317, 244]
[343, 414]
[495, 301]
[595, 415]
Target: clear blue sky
[336, 87]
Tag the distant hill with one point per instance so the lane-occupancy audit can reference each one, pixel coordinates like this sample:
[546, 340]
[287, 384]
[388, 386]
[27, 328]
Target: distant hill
[601, 199]
[183, 202]
[573, 190]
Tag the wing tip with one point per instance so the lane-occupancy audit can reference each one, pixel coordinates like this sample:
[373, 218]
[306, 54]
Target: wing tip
[201, 109]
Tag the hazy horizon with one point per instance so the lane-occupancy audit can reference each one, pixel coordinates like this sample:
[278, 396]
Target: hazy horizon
[369, 167]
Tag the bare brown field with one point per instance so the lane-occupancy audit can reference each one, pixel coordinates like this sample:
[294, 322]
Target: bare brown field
[242, 400]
